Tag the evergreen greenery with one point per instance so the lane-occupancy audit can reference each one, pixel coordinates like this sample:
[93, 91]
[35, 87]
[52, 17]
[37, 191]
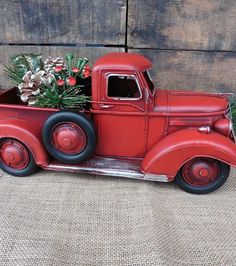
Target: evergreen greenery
[20, 64]
[52, 96]
[233, 110]
[51, 84]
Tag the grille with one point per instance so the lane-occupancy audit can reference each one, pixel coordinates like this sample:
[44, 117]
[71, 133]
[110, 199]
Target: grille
[229, 115]
[228, 112]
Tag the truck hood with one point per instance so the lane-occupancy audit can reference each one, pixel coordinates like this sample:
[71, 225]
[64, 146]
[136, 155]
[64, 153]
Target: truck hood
[189, 102]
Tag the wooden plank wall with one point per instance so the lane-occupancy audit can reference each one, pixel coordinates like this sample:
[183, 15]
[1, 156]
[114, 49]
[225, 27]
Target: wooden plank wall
[54, 27]
[192, 43]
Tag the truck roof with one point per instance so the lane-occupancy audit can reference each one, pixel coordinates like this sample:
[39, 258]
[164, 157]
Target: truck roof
[123, 61]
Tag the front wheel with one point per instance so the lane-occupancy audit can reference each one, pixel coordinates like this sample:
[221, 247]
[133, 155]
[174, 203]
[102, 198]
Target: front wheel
[15, 158]
[202, 175]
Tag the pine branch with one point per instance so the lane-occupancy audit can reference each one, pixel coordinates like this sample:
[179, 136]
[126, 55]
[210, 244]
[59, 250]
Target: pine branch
[233, 110]
[52, 97]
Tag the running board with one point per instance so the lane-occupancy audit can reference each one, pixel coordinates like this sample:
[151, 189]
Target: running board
[107, 167]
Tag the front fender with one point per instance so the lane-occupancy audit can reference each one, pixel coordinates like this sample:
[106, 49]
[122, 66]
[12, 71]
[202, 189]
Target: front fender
[169, 154]
[27, 133]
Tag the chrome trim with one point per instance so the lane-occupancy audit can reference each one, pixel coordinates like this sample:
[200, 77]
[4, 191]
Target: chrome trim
[149, 75]
[205, 129]
[226, 94]
[106, 106]
[229, 112]
[154, 177]
[107, 167]
[230, 125]
[123, 98]
[97, 171]
[229, 116]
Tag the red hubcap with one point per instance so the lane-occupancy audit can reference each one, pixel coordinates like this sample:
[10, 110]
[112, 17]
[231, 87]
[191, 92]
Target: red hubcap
[201, 171]
[68, 138]
[13, 154]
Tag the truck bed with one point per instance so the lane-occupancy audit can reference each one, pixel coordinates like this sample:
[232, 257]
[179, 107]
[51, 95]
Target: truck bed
[11, 106]
[10, 96]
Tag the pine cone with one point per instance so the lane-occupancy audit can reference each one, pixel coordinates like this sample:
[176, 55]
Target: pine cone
[30, 85]
[50, 63]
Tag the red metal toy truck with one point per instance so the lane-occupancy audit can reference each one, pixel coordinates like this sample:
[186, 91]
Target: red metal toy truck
[131, 130]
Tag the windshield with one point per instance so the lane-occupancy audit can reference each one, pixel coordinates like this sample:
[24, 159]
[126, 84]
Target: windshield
[149, 81]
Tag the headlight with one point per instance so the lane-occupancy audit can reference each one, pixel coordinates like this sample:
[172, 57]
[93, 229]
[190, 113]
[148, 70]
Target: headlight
[223, 126]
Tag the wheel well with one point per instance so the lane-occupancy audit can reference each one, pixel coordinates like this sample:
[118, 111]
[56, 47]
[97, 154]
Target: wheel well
[26, 133]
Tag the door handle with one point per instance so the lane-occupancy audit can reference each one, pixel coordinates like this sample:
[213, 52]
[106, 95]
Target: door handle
[106, 106]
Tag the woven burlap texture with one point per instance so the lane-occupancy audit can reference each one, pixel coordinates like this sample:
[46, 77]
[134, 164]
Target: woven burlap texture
[55, 218]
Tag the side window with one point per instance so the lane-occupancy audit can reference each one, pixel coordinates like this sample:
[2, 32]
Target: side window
[123, 86]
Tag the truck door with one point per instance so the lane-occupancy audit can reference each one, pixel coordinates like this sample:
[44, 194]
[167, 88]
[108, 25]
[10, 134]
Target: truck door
[121, 119]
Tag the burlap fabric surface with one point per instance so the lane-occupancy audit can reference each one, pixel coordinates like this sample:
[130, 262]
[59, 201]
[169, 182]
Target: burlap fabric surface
[70, 219]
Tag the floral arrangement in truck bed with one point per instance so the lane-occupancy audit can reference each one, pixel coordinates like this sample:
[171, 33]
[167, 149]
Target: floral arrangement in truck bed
[54, 83]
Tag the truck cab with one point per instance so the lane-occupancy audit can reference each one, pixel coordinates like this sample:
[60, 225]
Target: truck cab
[121, 101]
[131, 129]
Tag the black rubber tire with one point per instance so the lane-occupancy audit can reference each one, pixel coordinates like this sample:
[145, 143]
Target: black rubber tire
[217, 183]
[83, 122]
[30, 169]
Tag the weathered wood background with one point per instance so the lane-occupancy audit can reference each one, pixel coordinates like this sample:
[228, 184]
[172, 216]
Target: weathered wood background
[192, 43]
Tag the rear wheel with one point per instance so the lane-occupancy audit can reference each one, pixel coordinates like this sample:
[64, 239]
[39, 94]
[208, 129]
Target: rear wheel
[202, 175]
[69, 137]
[15, 158]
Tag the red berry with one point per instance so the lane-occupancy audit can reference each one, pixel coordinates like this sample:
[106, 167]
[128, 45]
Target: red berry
[86, 73]
[58, 69]
[87, 67]
[75, 69]
[60, 82]
[71, 81]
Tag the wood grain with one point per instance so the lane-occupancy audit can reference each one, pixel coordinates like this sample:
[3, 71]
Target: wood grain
[7, 51]
[68, 22]
[203, 71]
[182, 24]
[192, 43]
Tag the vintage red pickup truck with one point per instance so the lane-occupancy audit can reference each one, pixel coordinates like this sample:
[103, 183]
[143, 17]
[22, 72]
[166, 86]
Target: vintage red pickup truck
[131, 129]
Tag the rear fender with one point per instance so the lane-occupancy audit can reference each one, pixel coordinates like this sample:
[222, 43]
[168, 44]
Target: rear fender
[169, 154]
[26, 132]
